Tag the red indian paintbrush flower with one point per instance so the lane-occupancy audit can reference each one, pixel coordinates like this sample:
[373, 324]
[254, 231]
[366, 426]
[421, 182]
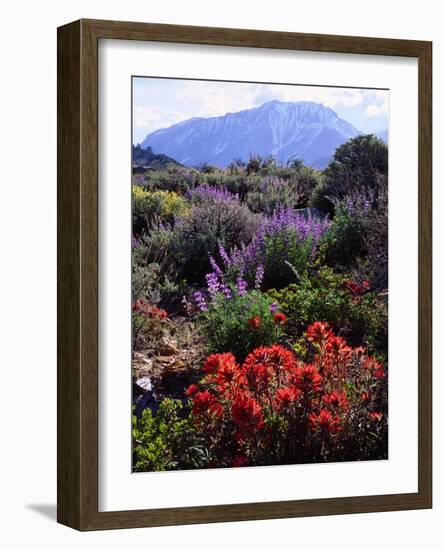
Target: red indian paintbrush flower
[285, 397]
[158, 313]
[280, 318]
[205, 404]
[308, 379]
[254, 323]
[216, 360]
[319, 333]
[273, 381]
[357, 289]
[259, 376]
[274, 357]
[192, 390]
[336, 399]
[337, 347]
[239, 461]
[324, 421]
[141, 307]
[229, 377]
[247, 414]
[374, 367]
[379, 371]
[141, 302]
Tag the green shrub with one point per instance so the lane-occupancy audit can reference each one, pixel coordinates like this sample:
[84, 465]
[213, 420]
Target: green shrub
[150, 208]
[177, 180]
[270, 194]
[320, 198]
[303, 179]
[199, 233]
[240, 323]
[286, 246]
[167, 441]
[239, 185]
[326, 296]
[356, 165]
[287, 258]
[153, 268]
[260, 165]
[345, 241]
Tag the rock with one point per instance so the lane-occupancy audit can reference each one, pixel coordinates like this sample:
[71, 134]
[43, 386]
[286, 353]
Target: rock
[164, 359]
[142, 365]
[167, 347]
[167, 366]
[143, 371]
[145, 383]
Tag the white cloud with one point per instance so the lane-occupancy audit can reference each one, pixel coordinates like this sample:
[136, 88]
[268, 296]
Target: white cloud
[330, 97]
[378, 105]
[374, 110]
[215, 98]
[154, 118]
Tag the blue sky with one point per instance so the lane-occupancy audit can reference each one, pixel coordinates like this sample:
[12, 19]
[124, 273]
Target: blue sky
[159, 103]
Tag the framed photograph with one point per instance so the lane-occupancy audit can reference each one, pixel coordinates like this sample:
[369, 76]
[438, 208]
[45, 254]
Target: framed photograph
[244, 275]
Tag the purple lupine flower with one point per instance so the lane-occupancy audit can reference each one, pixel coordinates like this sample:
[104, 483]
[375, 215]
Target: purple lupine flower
[259, 273]
[305, 224]
[200, 300]
[357, 204]
[349, 203]
[213, 284]
[273, 308]
[209, 192]
[272, 181]
[227, 292]
[366, 205]
[237, 259]
[242, 286]
[224, 255]
[285, 223]
[215, 266]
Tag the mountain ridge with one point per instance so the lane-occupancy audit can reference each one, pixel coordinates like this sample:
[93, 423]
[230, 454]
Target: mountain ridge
[303, 129]
[146, 159]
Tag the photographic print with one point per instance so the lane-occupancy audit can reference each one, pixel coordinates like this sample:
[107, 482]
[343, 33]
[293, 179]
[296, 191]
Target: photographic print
[259, 274]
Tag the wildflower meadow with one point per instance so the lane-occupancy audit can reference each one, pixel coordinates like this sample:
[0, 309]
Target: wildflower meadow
[260, 311]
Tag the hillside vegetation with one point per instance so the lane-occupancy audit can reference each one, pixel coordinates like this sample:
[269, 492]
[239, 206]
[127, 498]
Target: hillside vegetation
[260, 310]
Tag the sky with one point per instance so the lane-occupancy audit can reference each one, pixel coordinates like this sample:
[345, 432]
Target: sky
[160, 102]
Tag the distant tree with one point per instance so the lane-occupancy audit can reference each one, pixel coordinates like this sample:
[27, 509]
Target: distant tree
[237, 166]
[294, 162]
[260, 165]
[357, 165]
[207, 168]
[238, 162]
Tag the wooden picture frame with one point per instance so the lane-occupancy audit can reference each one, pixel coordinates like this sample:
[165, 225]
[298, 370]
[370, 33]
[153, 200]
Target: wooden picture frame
[78, 274]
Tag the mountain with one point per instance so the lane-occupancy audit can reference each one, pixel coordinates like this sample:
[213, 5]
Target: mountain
[145, 159]
[303, 129]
